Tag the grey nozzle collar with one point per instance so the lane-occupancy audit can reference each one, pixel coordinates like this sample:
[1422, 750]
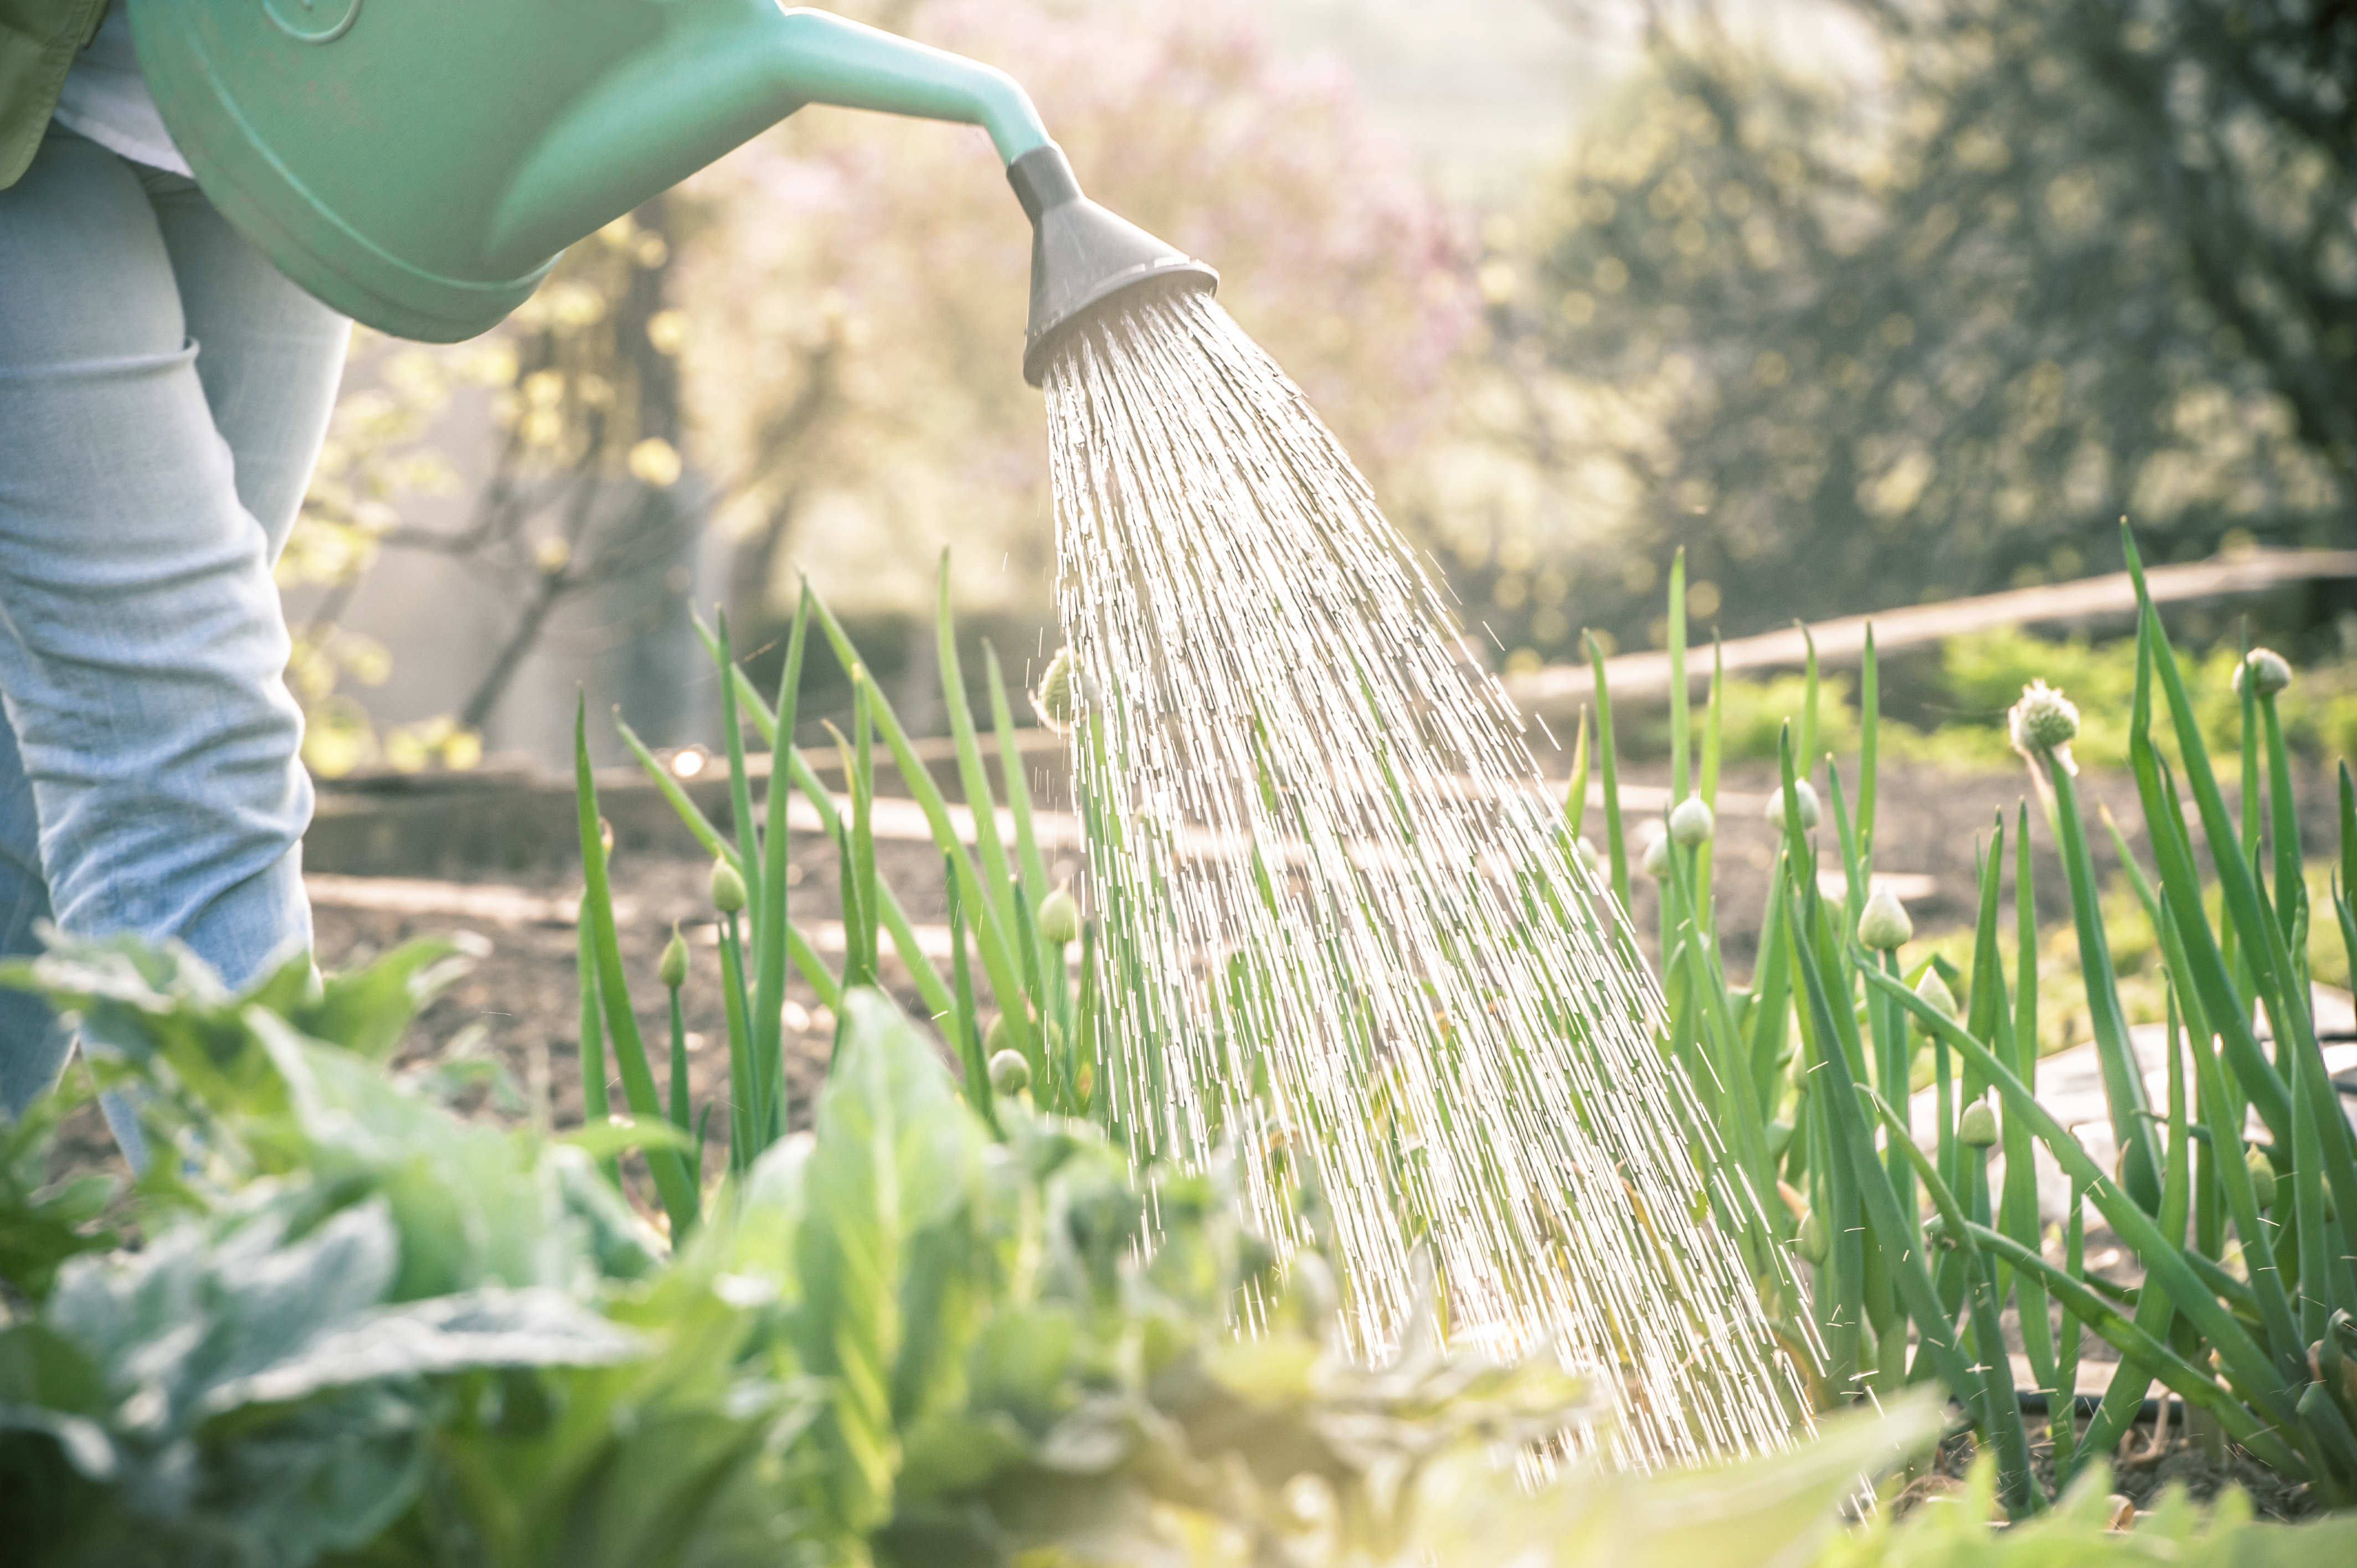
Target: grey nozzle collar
[1043, 178]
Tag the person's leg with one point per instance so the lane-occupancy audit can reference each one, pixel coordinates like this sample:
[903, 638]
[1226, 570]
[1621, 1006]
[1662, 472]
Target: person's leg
[33, 1044]
[141, 642]
[270, 357]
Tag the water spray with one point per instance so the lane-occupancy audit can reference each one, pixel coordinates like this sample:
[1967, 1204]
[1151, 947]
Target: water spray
[1398, 1001]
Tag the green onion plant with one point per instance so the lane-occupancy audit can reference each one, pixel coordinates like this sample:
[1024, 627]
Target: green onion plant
[1011, 931]
[1885, 1250]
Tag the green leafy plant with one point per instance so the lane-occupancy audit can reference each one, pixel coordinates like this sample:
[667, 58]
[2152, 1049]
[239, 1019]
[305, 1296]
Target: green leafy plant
[997, 892]
[325, 1254]
[900, 1338]
[900, 1335]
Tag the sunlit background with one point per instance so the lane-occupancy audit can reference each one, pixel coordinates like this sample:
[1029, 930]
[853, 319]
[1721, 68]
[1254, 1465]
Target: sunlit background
[1863, 303]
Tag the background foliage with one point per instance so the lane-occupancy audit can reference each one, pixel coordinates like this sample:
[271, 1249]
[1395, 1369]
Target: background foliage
[1923, 313]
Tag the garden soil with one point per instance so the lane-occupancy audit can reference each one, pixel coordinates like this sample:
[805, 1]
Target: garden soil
[2141, 1471]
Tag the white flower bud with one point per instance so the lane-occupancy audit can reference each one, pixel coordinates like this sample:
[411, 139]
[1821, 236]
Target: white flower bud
[1806, 794]
[1934, 991]
[1057, 700]
[2269, 669]
[1977, 1128]
[1884, 925]
[1691, 823]
[1656, 861]
[1009, 1073]
[2043, 720]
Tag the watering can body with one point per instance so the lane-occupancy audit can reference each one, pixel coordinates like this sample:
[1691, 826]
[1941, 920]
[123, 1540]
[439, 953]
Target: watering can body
[419, 164]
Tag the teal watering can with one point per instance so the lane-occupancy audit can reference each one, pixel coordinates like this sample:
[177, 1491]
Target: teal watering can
[419, 164]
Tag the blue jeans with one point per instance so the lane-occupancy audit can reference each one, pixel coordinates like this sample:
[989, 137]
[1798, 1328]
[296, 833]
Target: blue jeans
[163, 395]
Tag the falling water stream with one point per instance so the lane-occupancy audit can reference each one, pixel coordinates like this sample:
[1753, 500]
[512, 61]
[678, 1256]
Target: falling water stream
[1348, 937]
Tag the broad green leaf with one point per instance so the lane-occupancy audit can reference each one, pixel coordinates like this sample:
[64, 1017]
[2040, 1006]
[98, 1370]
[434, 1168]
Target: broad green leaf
[1773, 1510]
[366, 1010]
[895, 1152]
[537, 1328]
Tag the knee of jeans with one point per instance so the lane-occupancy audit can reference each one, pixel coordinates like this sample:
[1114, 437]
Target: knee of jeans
[221, 721]
[132, 833]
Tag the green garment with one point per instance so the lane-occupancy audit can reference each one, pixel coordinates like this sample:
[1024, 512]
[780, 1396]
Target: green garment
[38, 40]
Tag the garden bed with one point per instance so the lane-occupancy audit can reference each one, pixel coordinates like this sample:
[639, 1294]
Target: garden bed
[501, 833]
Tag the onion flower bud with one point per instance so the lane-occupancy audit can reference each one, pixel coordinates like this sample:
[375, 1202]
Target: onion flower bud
[1883, 925]
[2269, 672]
[1692, 823]
[2263, 1177]
[1059, 917]
[2044, 720]
[1805, 794]
[1009, 1073]
[1977, 1126]
[727, 887]
[672, 966]
[1812, 1243]
[1656, 862]
[1057, 700]
[1934, 993]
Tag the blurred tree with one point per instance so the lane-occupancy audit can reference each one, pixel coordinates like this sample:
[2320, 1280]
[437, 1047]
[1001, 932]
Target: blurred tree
[1925, 316]
[817, 343]
[584, 490]
[859, 316]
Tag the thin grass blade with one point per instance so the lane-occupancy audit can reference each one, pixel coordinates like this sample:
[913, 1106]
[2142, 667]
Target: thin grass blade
[1615, 842]
[673, 1184]
[1015, 781]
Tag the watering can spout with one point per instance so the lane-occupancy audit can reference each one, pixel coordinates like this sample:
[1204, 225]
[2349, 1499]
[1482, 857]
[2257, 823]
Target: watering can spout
[1082, 256]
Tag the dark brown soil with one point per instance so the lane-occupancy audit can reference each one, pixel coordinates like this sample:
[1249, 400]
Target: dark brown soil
[2139, 1471]
[522, 1003]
